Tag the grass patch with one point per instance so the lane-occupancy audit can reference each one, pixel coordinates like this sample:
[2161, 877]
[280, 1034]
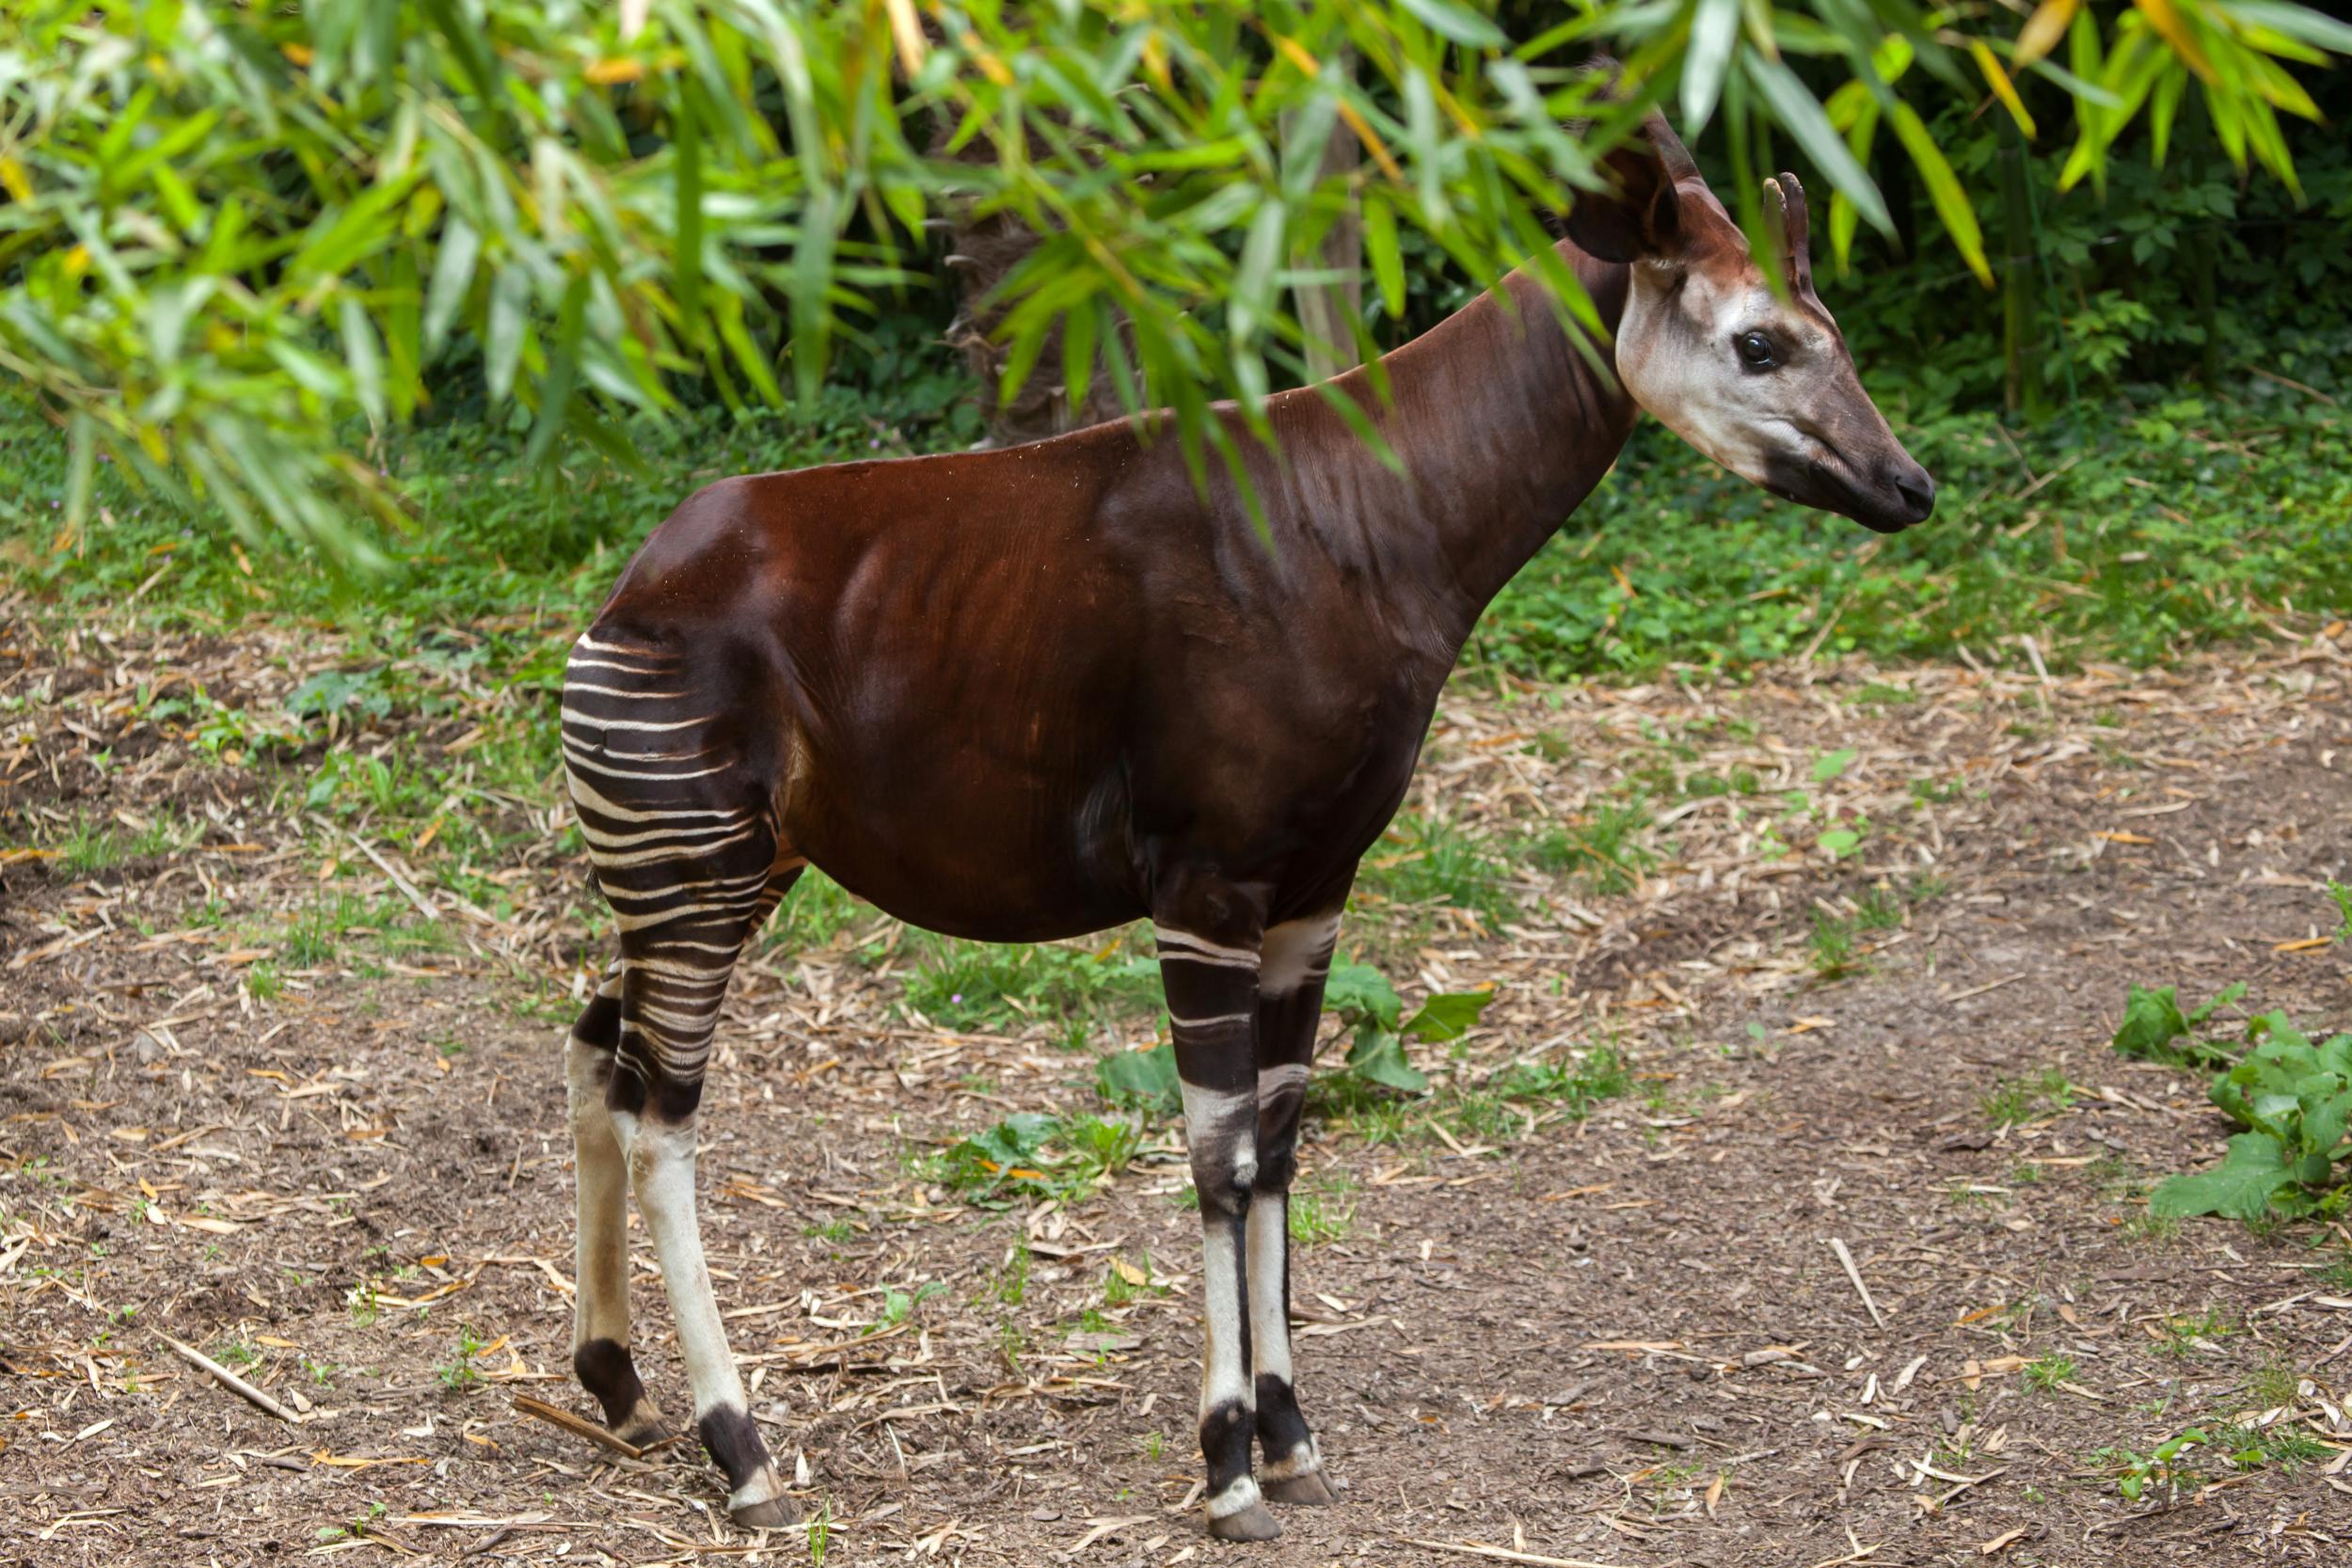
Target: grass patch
[1426, 860]
[1007, 987]
[1602, 849]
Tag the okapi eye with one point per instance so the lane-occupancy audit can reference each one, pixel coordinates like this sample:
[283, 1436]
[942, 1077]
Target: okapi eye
[1756, 351]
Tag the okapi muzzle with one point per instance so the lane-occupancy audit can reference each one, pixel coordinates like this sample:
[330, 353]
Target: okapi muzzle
[1051, 690]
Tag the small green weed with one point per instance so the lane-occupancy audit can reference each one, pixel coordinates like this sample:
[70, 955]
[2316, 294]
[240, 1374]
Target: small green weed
[2046, 1372]
[459, 1370]
[2015, 1101]
[1324, 1212]
[1832, 946]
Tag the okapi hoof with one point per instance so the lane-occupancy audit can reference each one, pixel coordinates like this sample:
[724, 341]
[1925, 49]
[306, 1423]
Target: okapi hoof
[775, 1513]
[1308, 1486]
[1251, 1522]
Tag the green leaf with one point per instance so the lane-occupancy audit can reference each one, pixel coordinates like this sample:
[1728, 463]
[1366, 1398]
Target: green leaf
[1143, 1078]
[453, 280]
[687, 246]
[1358, 992]
[1388, 261]
[1447, 1016]
[1832, 764]
[2225, 996]
[1801, 115]
[2238, 1188]
[2296, 21]
[364, 355]
[1953, 205]
[2151, 1021]
[555, 397]
[502, 341]
[1379, 1056]
[1458, 22]
[1714, 29]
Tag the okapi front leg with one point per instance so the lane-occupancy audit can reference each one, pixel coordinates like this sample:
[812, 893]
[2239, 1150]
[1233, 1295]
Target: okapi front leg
[1290, 1005]
[1212, 990]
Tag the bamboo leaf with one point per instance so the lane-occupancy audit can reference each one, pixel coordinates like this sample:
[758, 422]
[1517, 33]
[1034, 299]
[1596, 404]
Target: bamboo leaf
[1458, 22]
[1714, 29]
[1943, 190]
[1801, 115]
[2003, 88]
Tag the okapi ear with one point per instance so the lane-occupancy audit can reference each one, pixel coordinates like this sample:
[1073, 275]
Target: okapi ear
[1784, 205]
[1640, 218]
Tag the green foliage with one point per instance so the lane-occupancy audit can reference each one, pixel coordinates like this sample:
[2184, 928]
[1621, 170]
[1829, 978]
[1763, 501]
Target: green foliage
[1435, 862]
[1029, 1155]
[2153, 1026]
[1369, 1006]
[2118, 534]
[1574, 1085]
[1145, 1080]
[1602, 849]
[977, 985]
[2046, 1372]
[239, 253]
[2293, 1098]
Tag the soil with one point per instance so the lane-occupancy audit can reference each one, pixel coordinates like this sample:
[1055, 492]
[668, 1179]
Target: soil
[1630, 1338]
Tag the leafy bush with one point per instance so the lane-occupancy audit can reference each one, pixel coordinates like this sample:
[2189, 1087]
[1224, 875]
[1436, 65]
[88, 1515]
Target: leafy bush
[2291, 1097]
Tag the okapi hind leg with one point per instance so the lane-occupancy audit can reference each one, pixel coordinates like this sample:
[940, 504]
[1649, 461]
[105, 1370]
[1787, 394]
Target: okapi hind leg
[600, 1353]
[672, 984]
[680, 823]
[1298, 959]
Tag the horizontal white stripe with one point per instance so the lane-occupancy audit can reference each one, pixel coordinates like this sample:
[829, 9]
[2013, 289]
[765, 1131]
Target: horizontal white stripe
[576, 759]
[586, 795]
[573, 716]
[1209, 951]
[588, 640]
[1218, 1022]
[1275, 1080]
[633, 695]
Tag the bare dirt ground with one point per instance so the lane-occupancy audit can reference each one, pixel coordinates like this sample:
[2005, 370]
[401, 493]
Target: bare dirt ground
[1621, 1339]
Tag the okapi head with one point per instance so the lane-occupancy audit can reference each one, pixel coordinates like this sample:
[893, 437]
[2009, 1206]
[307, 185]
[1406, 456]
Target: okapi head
[1761, 382]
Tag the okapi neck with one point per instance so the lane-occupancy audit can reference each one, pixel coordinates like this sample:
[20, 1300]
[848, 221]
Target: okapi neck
[1503, 428]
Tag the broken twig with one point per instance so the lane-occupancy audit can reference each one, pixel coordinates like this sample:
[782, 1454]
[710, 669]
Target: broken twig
[556, 1415]
[1855, 1275]
[229, 1379]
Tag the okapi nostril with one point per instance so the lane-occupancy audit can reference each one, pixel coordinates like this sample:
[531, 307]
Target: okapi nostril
[1919, 493]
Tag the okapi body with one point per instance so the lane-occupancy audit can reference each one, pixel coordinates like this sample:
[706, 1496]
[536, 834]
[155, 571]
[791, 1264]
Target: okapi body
[1038, 693]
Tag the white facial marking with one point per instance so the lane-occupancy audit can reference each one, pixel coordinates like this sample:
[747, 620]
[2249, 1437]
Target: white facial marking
[1678, 356]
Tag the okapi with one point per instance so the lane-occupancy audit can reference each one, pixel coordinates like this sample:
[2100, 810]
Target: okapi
[1032, 693]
